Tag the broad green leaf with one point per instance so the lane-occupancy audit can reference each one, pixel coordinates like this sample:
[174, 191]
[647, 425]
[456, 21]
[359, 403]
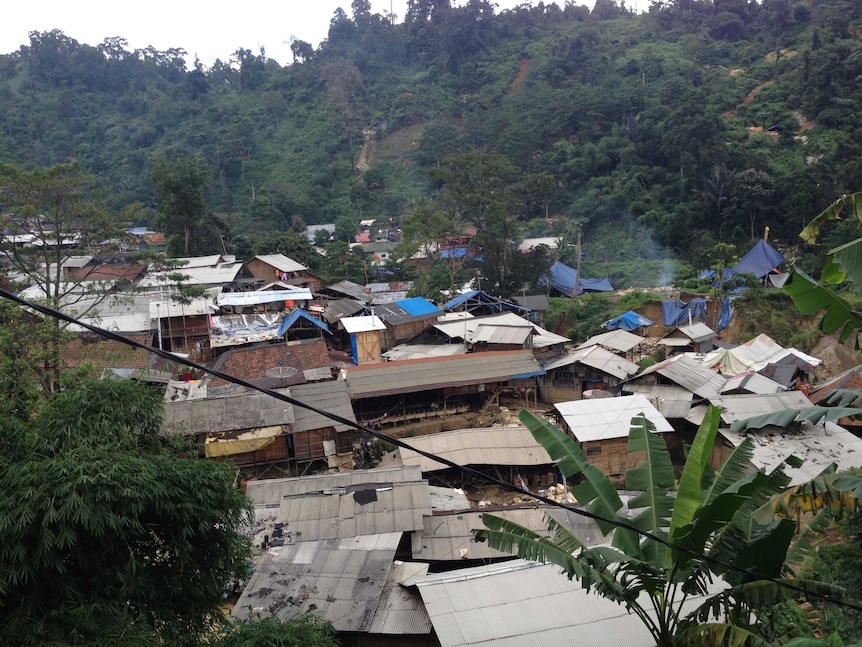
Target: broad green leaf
[596, 493]
[762, 593]
[652, 478]
[508, 537]
[764, 553]
[719, 513]
[833, 640]
[811, 297]
[847, 483]
[689, 494]
[731, 470]
[833, 212]
[802, 547]
[720, 633]
[788, 417]
[843, 397]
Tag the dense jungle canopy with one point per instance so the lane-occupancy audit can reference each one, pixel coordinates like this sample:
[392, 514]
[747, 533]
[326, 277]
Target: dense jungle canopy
[697, 123]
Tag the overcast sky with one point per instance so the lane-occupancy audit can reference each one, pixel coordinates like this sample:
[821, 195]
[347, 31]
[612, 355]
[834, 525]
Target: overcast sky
[209, 30]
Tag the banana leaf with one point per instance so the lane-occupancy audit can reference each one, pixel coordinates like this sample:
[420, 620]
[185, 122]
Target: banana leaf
[596, 493]
[653, 478]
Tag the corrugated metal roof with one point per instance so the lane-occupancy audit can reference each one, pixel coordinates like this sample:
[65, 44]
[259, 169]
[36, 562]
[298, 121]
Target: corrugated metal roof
[199, 261]
[671, 401]
[395, 315]
[232, 413]
[537, 302]
[170, 308]
[438, 372]
[447, 498]
[263, 296]
[696, 332]
[505, 334]
[747, 405]
[418, 351]
[328, 396]
[751, 383]
[598, 358]
[341, 580]
[620, 341]
[818, 445]
[269, 492]
[675, 342]
[362, 324]
[523, 604]
[351, 289]
[401, 610]
[281, 262]
[469, 327]
[687, 373]
[449, 537]
[485, 446]
[607, 418]
[337, 310]
[219, 275]
[360, 510]
[76, 261]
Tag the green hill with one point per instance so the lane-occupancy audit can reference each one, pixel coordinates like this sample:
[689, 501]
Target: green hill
[658, 134]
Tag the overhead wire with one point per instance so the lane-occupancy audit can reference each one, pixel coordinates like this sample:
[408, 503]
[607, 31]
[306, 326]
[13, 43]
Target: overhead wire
[618, 523]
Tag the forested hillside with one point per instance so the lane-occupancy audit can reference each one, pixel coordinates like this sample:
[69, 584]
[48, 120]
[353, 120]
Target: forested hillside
[698, 123]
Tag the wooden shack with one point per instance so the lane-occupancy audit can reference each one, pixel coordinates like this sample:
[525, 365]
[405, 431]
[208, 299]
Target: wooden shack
[602, 426]
[364, 334]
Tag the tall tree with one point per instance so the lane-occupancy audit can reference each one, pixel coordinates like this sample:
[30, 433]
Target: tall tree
[50, 218]
[110, 532]
[179, 184]
[479, 188]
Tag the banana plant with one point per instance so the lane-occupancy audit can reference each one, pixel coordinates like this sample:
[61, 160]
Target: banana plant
[680, 544]
[843, 267]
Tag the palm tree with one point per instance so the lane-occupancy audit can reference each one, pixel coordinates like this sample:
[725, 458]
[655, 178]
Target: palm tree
[718, 529]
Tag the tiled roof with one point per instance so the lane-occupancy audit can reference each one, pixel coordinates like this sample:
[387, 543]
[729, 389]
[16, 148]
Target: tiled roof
[252, 363]
[106, 353]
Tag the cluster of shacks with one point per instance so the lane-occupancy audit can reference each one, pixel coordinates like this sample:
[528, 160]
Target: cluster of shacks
[386, 554]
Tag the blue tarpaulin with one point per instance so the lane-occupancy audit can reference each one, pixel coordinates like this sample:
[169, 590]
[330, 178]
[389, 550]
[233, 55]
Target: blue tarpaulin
[726, 312]
[457, 252]
[628, 321]
[418, 306]
[675, 313]
[760, 261]
[564, 278]
[294, 316]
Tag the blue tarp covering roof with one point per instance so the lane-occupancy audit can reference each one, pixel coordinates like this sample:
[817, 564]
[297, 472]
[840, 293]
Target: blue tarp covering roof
[457, 252]
[478, 297]
[294, 316]
[760, 261]
[417, 306]
[460, 300]
[564, 278]
[674, 313]
[628, 321]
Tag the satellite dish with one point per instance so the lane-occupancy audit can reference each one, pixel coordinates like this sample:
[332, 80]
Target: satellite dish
[281, 371]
